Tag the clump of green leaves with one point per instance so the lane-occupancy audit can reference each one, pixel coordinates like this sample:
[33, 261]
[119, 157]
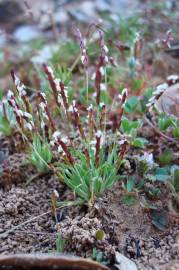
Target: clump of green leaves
[167, 123]
[89, 180]
[130, 128]
[7, 119]
[99, 256]
[40, 154]
[60, 244]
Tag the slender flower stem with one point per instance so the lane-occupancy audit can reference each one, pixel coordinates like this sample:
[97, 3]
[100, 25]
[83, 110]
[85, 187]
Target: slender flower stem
[87, 85]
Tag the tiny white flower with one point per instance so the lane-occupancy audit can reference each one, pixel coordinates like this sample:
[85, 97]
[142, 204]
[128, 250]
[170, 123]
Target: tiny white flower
[121, 142]
[28, 115]
[93, 142]
[93, 148]
[84, 51]
[98, 134]
[173, 78]
[10, 94]
[56, 193]
[42, 124]
[28, 126]
[59, 149]
[93, 77]
[150, 104]
[21, 90]
[102, 104]
[60, 99]
[152, 99]
[74, 103]
[83, 57]
[55, 135]
[52, 142]
[160, 88]
[13, 103]
[105, 48]
[42, 105]
[148, 158]
[90, 107]
[119, 96]
[17, 80]
[103, 87]
[66, 92]
[102, 71]
[106, 59]
[43, 95]
[50, 70]
[124, 92]
[57, 83]
[70, 109]
[19, 112]
[64, 139]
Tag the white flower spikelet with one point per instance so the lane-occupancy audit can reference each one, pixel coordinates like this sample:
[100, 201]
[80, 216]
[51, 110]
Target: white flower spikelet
[50, 70]
[173, 78]
[10, 95]
[98, 134]
[148, 158]
[103, 87]
[90, 107]
[20, 87]
[56, 193]
[102, 104]
[56, 135]
[124, 92]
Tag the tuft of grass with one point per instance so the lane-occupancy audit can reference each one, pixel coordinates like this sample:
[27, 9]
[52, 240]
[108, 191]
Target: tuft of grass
[89, 181]
[40, 155]
[7, 119]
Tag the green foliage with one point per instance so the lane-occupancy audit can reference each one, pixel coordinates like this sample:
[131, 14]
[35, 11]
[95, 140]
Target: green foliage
[98, 256]
[40, 154]
[67, 52]
[162, 174]
[90, 181]
[128, 28]
[175, 177]
[130, 128]
[130, 183]
[6, 126]
[131, 105]
[100, 234]
[166, 122]
[139, 142]
[128, 199]
[159, 219]
[166, 157]
[175, 132]
[60, 244]
[145, 99]
[3, 157]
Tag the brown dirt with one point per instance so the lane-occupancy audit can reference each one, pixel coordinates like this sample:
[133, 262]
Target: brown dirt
[127, 229]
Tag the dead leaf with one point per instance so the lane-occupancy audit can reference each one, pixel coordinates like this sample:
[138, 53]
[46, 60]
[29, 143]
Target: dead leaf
[169, 101]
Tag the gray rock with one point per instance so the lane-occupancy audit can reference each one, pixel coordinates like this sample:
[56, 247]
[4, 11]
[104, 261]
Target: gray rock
[117, 6]
[11, 11]
[103, 5]
[123, 263]
[60, 17]
[26, 33]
